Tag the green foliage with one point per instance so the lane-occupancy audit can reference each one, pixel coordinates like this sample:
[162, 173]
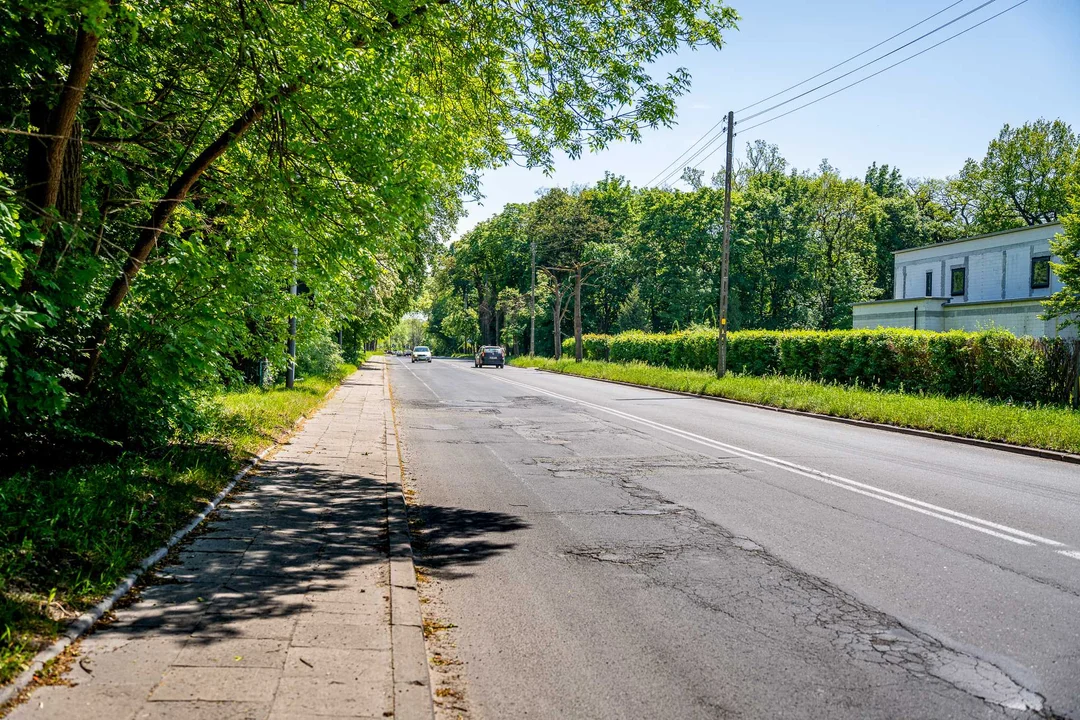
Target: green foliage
[1065, 303]
[1042, 427]
[216, 143]
[991, 364]
[68, 534]
[320, 355]
[805, 246]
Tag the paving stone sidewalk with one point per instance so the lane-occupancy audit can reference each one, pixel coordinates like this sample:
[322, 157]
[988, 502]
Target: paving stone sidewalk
[300, 600]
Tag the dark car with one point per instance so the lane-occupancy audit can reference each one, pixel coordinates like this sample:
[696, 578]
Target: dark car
[489, 355]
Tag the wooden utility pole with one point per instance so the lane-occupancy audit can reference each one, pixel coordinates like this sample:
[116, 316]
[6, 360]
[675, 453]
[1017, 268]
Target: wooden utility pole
[721, 349]
[532, 301]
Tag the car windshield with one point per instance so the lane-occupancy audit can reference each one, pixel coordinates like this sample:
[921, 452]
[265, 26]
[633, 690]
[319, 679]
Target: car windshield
[492, 350]
[420, 348]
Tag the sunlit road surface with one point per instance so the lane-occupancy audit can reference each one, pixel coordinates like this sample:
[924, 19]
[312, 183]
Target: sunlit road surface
[610, 552]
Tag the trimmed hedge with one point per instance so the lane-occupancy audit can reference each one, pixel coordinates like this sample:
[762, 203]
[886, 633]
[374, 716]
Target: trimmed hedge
[993, 364]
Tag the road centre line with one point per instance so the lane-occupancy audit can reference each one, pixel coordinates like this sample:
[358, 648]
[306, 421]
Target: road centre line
[1004, 532]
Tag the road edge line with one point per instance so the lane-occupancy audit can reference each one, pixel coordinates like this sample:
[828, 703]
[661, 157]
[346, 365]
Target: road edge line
[1043, 453]
[413, 698]
[82, 624]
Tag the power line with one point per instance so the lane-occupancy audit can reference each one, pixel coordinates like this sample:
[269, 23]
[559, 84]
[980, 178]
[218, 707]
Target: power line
[690, 159]
[704, 135]
[866, 64]
[671, 166]
[899, 62]
[853, 57]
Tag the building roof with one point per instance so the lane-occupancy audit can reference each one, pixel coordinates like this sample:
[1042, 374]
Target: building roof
[1027, 228]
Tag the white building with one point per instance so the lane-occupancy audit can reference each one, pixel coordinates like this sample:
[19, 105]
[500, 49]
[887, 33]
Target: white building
[978, 283]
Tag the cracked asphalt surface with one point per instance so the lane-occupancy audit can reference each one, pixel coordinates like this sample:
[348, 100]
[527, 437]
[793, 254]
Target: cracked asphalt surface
[634, 554]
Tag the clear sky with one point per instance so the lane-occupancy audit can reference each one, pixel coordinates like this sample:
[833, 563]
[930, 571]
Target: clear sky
[925, 116]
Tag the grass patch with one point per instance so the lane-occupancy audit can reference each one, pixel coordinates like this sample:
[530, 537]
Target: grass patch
[1051, 428]
[69, 534]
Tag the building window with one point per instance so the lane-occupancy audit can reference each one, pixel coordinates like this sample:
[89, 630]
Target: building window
[1040, 272]
[958, 281]
[930, 284]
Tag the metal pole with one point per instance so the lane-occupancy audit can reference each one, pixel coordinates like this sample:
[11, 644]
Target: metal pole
[721, 354]
[532, 303]
[290, 376]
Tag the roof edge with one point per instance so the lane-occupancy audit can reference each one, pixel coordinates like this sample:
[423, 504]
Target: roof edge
[1026, 228]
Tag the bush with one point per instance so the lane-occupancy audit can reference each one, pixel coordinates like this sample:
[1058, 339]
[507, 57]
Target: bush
[992, 364]
[318, 356]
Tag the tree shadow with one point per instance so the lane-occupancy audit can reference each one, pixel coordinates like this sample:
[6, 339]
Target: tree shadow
[299, 539]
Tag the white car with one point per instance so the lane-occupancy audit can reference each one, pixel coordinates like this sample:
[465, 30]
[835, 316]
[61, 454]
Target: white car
[421, 353]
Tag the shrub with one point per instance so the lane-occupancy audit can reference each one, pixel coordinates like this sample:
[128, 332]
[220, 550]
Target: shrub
[991, 364]
[320, 355]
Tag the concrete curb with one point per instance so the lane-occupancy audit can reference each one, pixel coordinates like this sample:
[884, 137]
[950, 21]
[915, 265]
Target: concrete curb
[412, 679]
[84, 622]
[975, 442]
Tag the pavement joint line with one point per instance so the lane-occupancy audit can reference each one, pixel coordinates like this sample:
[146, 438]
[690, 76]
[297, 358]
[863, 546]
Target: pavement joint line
[971, 522]
[82, 624]
[413, 698]
[1058, 455]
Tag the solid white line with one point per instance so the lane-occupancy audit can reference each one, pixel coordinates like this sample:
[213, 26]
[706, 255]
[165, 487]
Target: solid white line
[1075, 555]
[421, 380]
[971, 522]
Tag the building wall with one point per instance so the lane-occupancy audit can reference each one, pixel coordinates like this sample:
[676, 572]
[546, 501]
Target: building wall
[998, 266]
[1020, 317]
[917, 313]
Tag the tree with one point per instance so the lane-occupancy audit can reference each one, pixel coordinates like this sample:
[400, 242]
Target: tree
[1021, 180]
[1065, 303]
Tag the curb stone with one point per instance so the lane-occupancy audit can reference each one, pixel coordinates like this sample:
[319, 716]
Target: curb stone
[959, 439]
[412, 679]
[82, 624]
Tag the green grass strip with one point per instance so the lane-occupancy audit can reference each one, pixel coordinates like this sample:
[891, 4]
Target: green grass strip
[1050, 428]
[69, 534]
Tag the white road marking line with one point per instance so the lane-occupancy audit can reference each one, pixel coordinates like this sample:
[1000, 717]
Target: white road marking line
[1074, 554]
[420, 379]
[971, 522]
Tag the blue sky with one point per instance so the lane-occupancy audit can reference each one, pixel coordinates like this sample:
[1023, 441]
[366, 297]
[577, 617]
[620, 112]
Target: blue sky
[925, 116]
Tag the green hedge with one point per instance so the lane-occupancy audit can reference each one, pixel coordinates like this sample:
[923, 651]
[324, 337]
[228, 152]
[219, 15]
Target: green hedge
[992, 364]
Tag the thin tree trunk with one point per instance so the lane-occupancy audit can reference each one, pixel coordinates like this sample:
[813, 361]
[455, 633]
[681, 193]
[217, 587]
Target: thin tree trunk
[163, 211]
[556, 318]
[61, 122]
[578, 349]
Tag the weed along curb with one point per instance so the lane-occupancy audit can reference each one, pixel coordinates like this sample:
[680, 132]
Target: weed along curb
[86, 621]
[413, 697]
[976, 442]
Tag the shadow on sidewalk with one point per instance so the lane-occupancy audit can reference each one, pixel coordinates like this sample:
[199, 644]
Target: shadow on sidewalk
[297, 535]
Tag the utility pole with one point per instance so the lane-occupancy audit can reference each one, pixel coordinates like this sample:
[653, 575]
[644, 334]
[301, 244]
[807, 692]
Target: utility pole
[532, 302]
[721, 340]
[290, 376]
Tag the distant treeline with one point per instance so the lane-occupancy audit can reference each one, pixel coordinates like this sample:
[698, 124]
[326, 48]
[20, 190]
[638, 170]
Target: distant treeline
[804, 247]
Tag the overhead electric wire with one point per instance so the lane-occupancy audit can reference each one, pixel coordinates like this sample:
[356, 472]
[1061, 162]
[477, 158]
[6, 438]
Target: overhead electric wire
[875, 74]
[866, 64]
[702, 149]
[813, 77]
[692, 146]
[853, 57]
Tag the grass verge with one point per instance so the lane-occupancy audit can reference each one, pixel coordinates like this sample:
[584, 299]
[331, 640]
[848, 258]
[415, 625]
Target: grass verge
[69, 534]
[1049, 428]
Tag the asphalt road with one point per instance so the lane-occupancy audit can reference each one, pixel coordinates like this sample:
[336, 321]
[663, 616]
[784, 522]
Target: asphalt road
[610, 552]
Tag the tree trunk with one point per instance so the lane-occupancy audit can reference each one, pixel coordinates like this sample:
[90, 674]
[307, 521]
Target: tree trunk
[578, 349]
[163, 211]
[555, 318]
[61, 122]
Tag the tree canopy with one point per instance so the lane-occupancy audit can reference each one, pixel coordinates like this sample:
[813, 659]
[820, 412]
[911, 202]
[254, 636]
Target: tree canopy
[806, 245]
[161, 162]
